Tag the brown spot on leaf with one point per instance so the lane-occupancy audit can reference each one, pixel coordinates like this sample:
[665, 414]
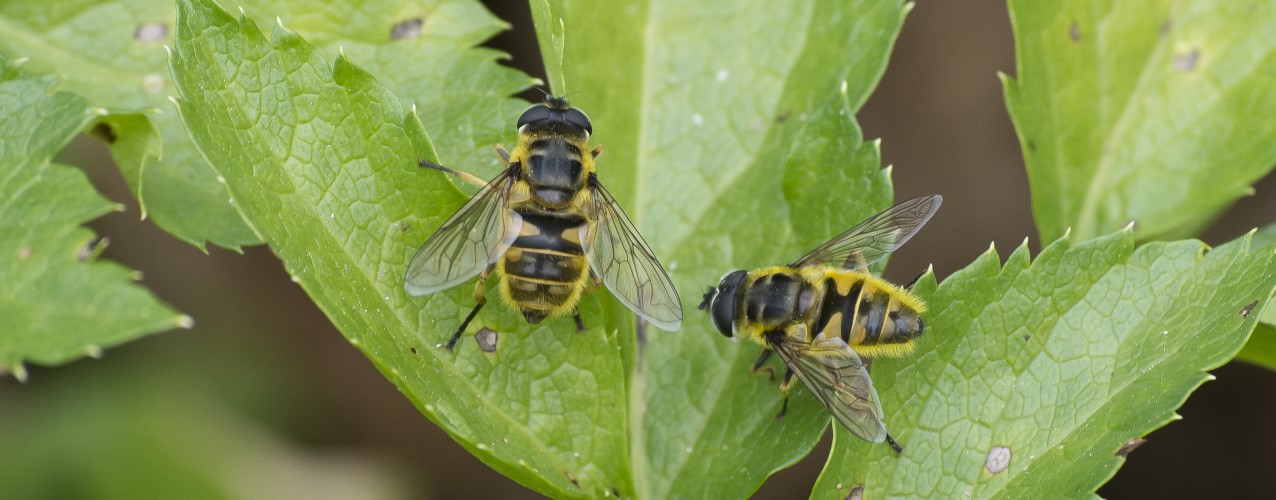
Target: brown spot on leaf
[486, 339]
[572, 477]
[1187, 62]
[1129, 447]
[413, 349]
[615, 492]
[1248, 309]
[23, 253]
[102, 131]
[410, 28]
[997, 460]
[782, 117]
[1074, 31]
[857, 493]
[1166, 27]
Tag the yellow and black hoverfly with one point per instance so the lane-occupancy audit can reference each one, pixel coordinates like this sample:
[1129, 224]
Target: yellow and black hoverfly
[824, 311]
[546, 226]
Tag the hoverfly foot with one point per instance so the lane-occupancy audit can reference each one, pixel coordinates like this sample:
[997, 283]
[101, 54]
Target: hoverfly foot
[894, 446]
[580, 325]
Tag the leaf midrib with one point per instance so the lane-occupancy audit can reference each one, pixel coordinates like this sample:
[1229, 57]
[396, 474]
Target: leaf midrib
[1095, 192]
[724, 180]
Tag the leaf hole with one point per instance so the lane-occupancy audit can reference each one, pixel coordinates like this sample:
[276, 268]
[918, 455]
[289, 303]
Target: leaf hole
[857, 493]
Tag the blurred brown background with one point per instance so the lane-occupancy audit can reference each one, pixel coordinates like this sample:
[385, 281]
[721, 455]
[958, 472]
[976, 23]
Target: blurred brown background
[941, 117]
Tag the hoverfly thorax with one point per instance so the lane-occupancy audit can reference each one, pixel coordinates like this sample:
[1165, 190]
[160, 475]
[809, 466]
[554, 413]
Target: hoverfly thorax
[557, 165]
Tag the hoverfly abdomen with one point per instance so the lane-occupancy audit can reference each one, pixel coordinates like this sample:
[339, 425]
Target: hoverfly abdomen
[544, 266]
[838, 309]
[885, 320]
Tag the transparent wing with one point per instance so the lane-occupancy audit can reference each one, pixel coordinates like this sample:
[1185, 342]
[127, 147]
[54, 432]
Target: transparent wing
[625, 263]
[837, 377]
[475, 236]
[875, 238]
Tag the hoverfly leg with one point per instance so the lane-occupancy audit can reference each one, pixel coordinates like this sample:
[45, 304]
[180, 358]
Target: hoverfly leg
[757, 365]
[784, 389]
[593, 283]
[479, 296]
[894, 446]
[910, 284]
[461, 329]
[501, 152]
[465, 176]
[580, 325]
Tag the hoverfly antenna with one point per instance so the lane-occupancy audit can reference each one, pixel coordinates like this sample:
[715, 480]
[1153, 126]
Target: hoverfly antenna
[548, 95]
[708, 298]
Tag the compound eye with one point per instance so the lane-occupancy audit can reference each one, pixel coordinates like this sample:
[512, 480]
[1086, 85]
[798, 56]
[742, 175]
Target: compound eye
[722, 304]
[577, 118]
[534, 114]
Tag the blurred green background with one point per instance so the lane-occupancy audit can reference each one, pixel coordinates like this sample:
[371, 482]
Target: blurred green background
[263, 398]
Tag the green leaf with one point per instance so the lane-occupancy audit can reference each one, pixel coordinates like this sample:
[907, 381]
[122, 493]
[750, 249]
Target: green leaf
[58, 301]
[1053, 365]
[112, 53]
[698, 124]
[1154, 112]
[1261, 348]
[322, 161]
[462, 95]
[1265, 236]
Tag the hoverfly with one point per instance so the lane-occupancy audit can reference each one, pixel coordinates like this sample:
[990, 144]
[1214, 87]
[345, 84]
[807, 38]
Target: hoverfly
[824, 311]
[548, 229]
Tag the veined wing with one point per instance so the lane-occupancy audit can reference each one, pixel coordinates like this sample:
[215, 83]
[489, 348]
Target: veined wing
[834, 373]
[876, 237]
[475, 236]
[625, 263]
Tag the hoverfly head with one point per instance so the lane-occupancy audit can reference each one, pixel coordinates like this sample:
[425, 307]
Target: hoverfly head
[720, 302]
